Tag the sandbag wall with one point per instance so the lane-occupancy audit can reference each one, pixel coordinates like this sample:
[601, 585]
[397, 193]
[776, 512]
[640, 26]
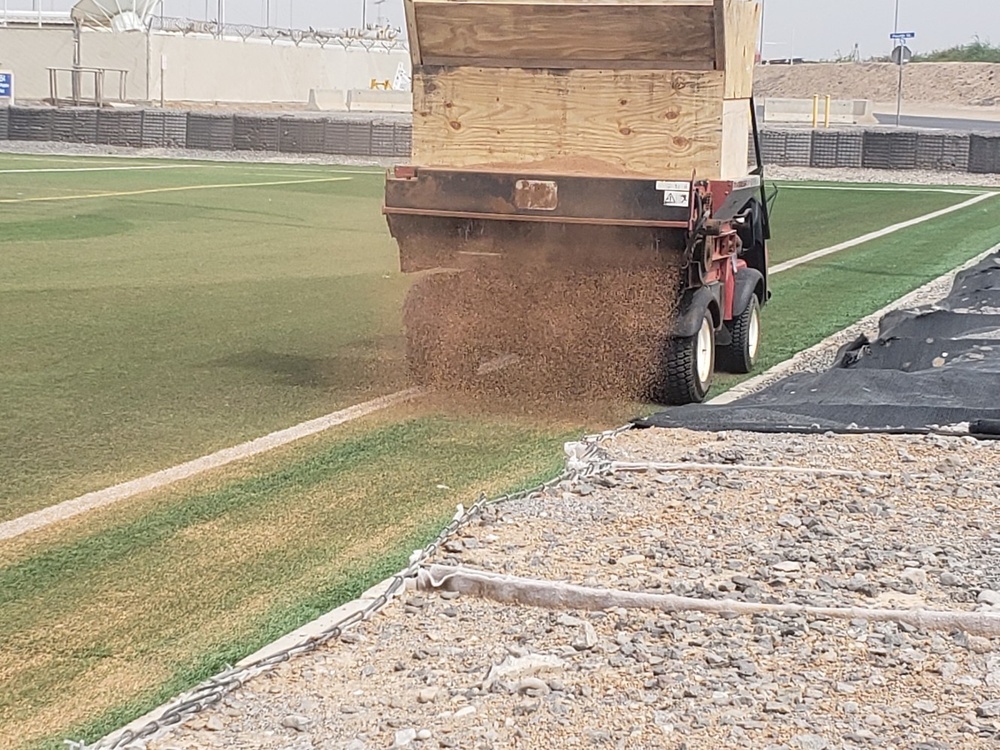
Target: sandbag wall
[882, 149]
[385, 138]
[155, 128]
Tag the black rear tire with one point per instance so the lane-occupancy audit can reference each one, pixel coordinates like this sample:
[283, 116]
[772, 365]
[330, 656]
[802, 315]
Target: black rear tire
[687, 367]
[741, 355]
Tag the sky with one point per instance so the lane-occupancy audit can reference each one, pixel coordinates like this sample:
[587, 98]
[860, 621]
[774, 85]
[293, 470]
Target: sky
[815, 29]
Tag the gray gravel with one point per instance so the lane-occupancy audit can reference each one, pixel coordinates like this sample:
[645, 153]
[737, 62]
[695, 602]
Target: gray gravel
[903, 177]
[444, 671]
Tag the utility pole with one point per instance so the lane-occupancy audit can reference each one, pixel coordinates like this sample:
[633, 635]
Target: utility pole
[763, 12]
[899, 88]
[364, 14]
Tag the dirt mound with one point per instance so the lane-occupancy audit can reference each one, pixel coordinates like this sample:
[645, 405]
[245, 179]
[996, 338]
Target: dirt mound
[955, 84]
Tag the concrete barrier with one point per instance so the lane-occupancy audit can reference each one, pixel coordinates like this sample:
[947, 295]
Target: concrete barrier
[842, 112]
[327, 100]
[379, 100]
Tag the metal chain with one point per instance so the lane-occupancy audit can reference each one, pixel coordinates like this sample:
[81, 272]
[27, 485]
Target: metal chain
[584, 460]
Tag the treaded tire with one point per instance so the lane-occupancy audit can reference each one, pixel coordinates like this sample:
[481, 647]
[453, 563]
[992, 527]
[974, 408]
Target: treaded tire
[740, 356]
[679, 382]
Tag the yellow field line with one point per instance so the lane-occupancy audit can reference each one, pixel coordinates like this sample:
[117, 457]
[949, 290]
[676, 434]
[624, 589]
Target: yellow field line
[150, 191]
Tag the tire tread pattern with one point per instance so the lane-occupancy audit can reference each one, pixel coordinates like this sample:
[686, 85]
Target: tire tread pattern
[735, 358]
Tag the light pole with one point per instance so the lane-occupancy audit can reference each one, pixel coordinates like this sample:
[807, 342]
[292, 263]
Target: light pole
[763, 11]
[899, 88]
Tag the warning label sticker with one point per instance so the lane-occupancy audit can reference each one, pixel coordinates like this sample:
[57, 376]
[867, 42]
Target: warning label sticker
[677, 194]
[681, 200]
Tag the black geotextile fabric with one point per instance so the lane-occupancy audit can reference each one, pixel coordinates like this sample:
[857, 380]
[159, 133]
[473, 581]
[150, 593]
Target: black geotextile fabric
[930, 367]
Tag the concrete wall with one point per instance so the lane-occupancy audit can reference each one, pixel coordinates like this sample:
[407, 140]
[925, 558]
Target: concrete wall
[199, 69]
[842, 112]
[210, 70]
[29, 52]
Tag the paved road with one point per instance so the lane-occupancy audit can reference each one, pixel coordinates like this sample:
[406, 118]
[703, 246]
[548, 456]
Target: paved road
[940, 123]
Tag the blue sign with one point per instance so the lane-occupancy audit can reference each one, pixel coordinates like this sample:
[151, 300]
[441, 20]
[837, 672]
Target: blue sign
[6, 85]
[903, 35]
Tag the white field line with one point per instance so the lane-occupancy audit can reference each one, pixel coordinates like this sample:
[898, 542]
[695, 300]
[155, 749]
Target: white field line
[101, 498]
[791, 365]
[883, 189]
[45, 170]
[782, 267]
[179, 189]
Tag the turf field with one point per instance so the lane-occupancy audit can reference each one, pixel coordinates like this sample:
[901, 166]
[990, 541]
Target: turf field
[156, 311]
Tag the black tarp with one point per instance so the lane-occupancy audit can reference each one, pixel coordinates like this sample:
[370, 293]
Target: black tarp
[930, 367]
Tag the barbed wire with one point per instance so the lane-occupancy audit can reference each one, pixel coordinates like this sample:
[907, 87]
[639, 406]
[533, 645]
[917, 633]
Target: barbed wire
[584, 459]
[374, 37]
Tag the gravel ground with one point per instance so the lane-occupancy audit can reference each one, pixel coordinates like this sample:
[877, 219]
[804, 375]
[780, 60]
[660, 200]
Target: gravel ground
[903, 178]
[418, 675]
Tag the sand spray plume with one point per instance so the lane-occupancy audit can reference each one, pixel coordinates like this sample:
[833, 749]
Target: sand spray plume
[575, 313]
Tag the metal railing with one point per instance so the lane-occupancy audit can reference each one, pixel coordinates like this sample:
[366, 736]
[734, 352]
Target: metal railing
[76, 79]
[38, 18]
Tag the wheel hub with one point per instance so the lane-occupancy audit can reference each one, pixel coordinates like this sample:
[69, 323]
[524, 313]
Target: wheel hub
[753, 338]
[704, 351]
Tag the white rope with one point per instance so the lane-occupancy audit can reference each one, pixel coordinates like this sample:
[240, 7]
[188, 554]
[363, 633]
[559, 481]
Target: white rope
[552, 595]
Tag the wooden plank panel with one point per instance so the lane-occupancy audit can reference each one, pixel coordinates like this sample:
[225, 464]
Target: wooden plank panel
[413, 38]
[521, 33]
[690, 3]
[742, 28]
[650, 123]
[735, 137]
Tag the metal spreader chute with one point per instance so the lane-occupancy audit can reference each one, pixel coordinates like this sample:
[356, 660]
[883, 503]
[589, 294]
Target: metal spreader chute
[117, 15]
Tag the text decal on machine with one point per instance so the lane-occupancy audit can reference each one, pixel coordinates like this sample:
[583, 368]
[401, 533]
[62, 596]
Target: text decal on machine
[675, 193]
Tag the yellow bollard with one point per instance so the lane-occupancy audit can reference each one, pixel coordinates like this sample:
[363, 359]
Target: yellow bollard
[815, 110]
[826, 121]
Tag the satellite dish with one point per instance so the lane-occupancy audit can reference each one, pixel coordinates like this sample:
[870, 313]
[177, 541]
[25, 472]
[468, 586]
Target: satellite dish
[117, 15]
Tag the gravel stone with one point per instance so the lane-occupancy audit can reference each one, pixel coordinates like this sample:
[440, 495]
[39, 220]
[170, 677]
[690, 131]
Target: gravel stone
[404, 737]
[296, 722]
[989, 598]
[989, 710]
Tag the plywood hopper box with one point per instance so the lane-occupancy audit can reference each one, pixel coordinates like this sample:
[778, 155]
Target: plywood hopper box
[657, 88]
[595, 146]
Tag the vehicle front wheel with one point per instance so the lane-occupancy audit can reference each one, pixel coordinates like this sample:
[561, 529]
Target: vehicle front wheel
[687, 367]
[741, 355]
